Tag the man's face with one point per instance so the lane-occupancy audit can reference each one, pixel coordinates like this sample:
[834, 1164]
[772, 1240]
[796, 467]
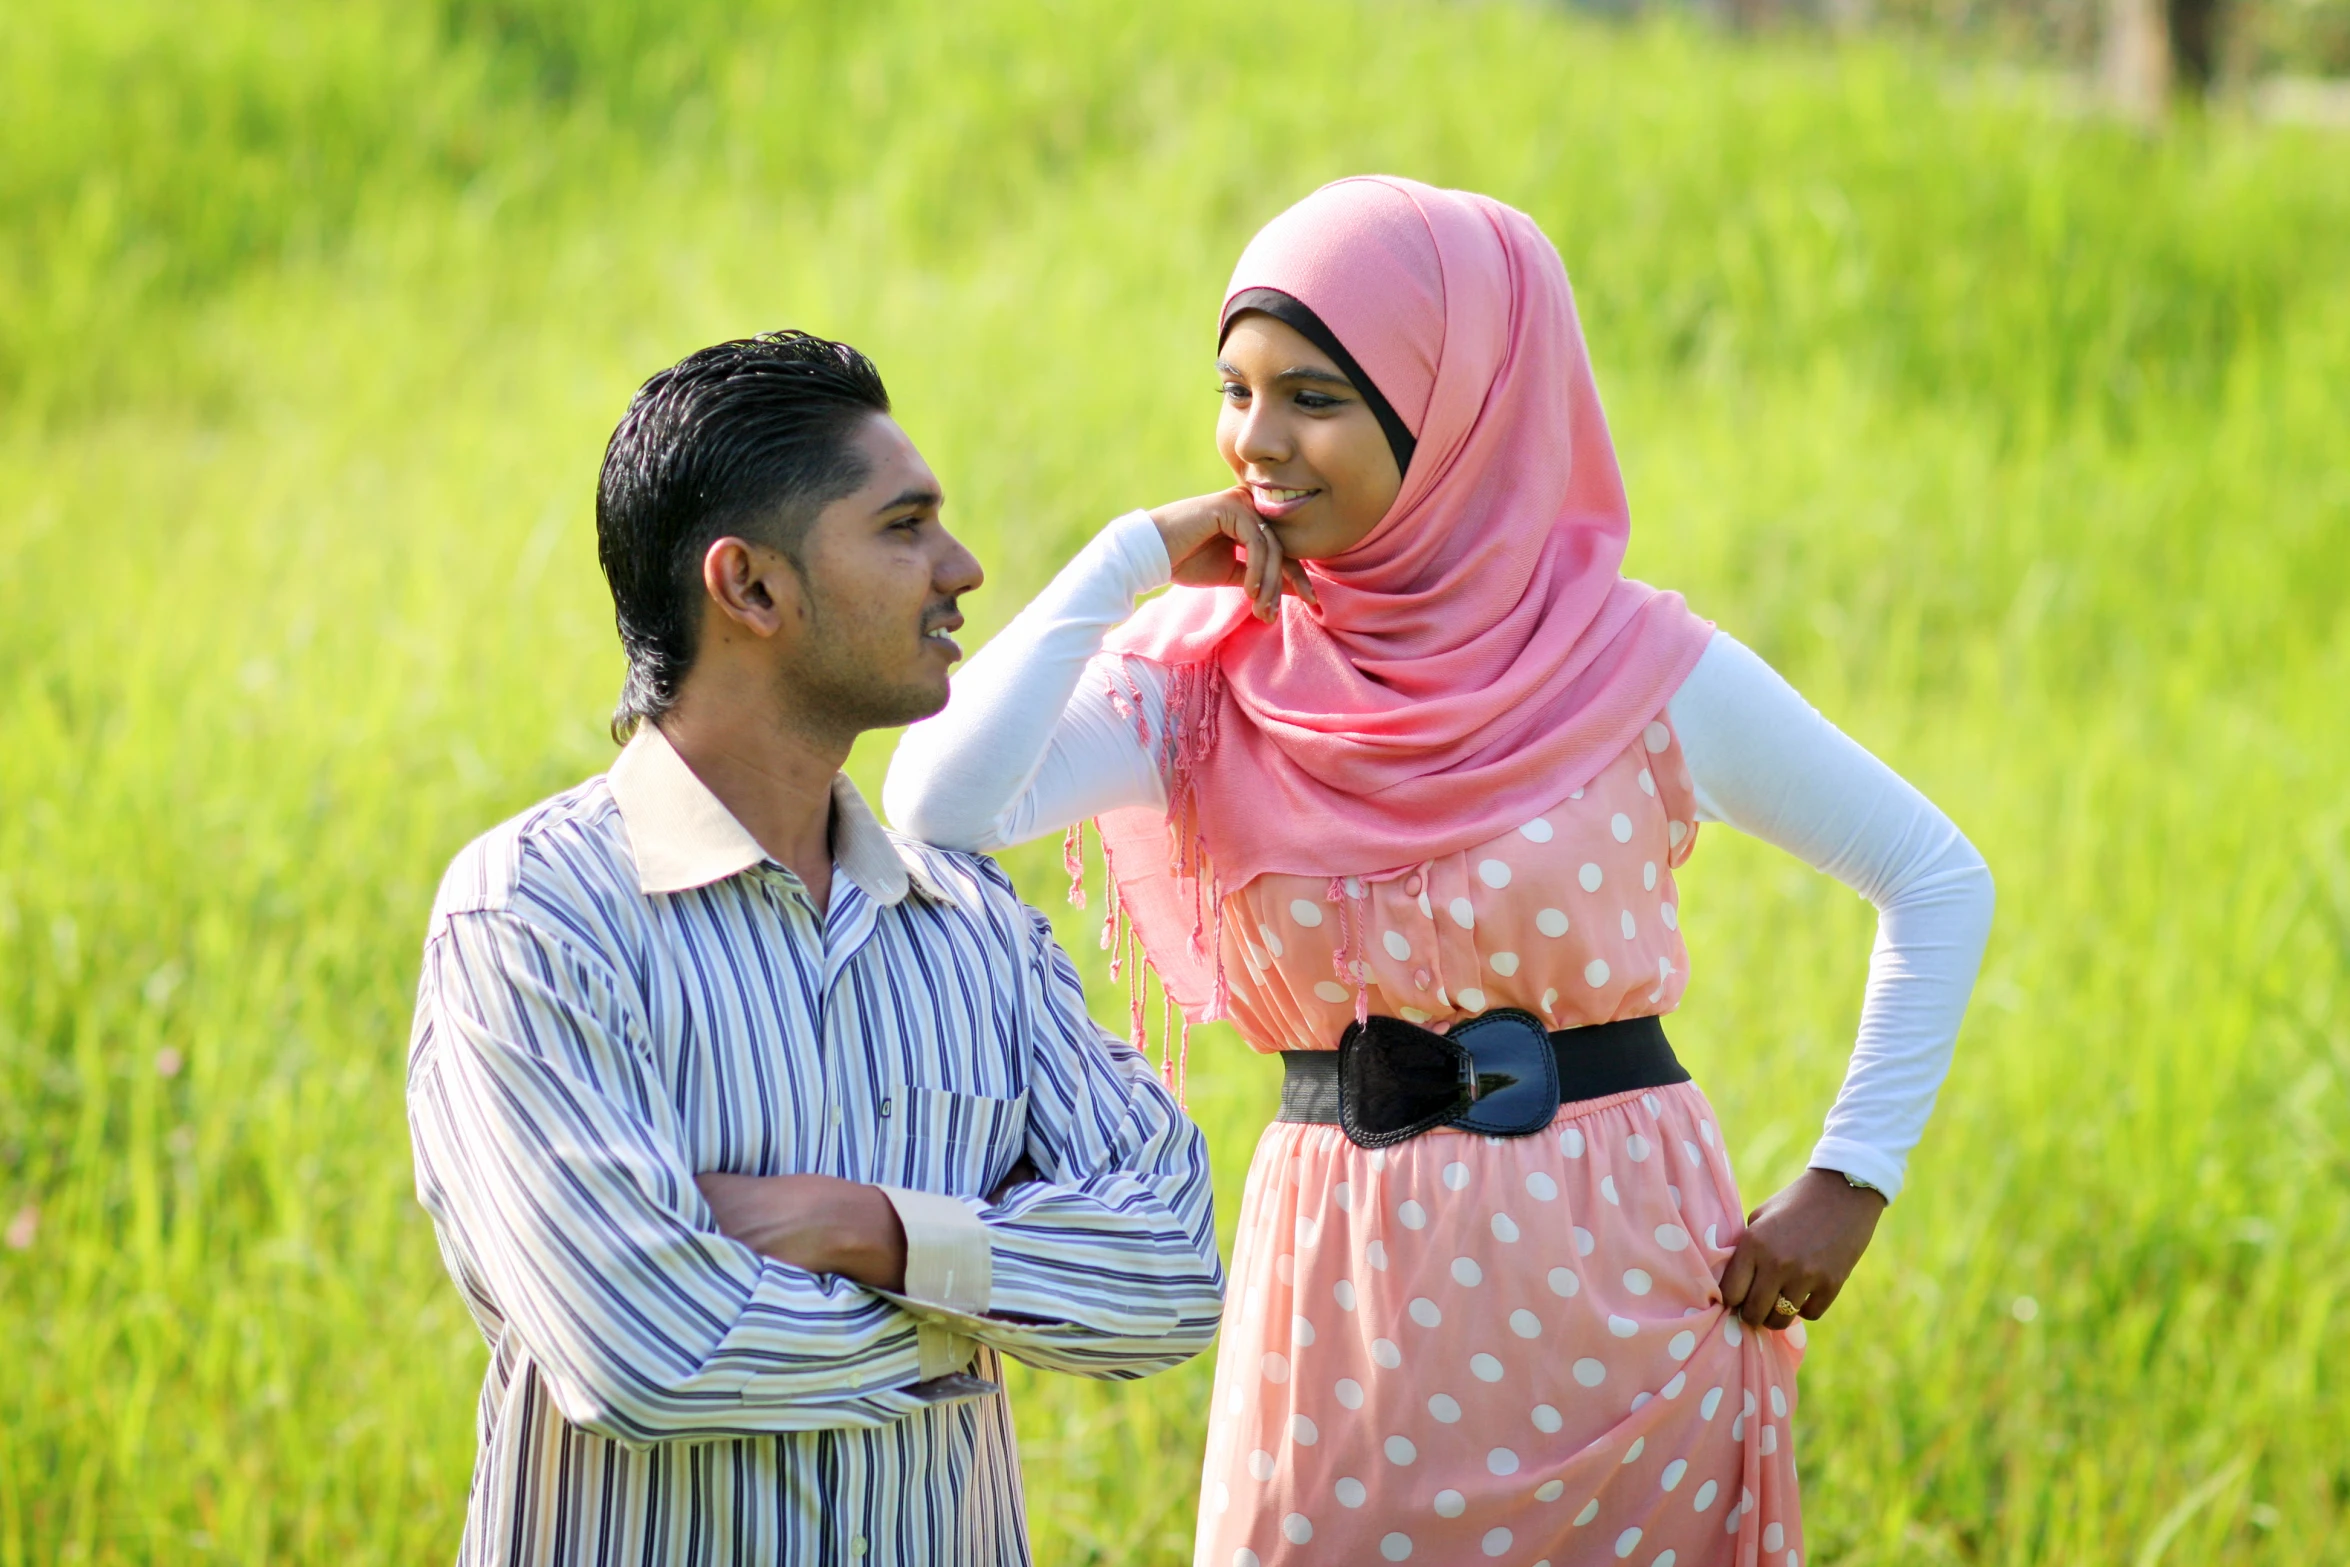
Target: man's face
[882, 576]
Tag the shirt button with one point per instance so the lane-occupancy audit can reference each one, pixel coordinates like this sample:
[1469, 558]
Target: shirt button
[1411, 886]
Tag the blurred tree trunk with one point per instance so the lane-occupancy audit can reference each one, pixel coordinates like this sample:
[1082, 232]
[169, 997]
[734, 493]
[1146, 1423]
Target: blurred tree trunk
[2194, 43]
[2137, 63]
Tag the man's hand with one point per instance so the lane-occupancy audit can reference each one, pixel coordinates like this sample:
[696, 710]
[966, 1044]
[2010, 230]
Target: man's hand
[1218, 541]
[1800, 1246]
[817, 1222]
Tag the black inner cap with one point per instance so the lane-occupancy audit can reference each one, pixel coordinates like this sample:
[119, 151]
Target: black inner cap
[1291, 312]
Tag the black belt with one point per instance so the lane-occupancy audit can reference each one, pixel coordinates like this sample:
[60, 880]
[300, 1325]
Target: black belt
[1500, 1073]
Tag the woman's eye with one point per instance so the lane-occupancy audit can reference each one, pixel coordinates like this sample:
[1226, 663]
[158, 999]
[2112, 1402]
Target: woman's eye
[1234, 392]
[1316, 401]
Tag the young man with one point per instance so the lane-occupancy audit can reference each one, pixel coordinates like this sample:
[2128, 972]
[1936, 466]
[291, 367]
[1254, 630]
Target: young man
[753, 1134]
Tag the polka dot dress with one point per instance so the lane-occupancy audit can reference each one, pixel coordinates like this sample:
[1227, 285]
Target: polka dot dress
[1468, 1348]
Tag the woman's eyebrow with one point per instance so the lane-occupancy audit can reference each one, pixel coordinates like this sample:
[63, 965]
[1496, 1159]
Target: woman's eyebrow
[1300, 373]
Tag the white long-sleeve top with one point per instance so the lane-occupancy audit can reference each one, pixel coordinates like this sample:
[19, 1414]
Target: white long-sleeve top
[1029, 745]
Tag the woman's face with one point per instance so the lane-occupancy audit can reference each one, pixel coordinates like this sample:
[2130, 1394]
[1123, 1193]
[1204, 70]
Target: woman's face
[1302, 440]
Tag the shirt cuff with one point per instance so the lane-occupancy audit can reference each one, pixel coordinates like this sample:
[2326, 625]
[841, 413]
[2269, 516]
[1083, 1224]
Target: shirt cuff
[950, 1264]
[1141, 553]
[1881, 1170]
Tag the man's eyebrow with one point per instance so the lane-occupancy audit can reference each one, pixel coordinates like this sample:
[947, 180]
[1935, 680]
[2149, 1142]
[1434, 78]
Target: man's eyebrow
[1300, 373]
[927, 499]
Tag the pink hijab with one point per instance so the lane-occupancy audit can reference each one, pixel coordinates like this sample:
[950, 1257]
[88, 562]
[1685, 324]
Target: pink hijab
[1475, 658]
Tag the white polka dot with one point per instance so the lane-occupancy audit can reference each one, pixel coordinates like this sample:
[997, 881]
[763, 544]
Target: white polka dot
[1672, 1237]
[1503, 963]
[1627, 1542]
[1472, 999]
[1276, 1367]
[1536, 831]
[1344, 1293]
[1745, 1500]
[1351, 1492]
[1272, 942]
[1656, 736]
[1648, 876]
[1445, 1408]
[1400, 1450]
[1551, 922]
[1704, 1497]
[1619, 827]
[1637, 1148]
[1671, 1478]
[1296, 1529]
[1584, 1241]
[1411, 1215]
[1778, 1403]
[1684, 1345]
[1632, 1453]
[1466, 1272]
[1732, 1333]
[1350, 1393]
[1260, 1465]
[1571, 1143]
[1343, 1194]
[1647, 781]
[1675, 832]
[1285, 1265]
[1464, 913]
[1541, 1187]
[1563, 1282]
[1550, 1490]
[1711, 1237]
[1607, 1189]
[1333, 992]
[1424, 1311]
[1705, 1129]
[1550, 999]
[1396, 1547]
[1383, 1351]
[1590, 1372]
[1590, 876]
[1244, 1557]
[1770, 1440]
[1673, 1388]
[1640, 1401]
[1637, 1281]
[1708, 1404]
[1300, 1331]
[1589, 1512]
[1307, 1232]
[1497, 1539]
[1220, 1497]
[1413, 1015]
[1664, 1559]
[1595, 973]
[1774, 1536]
[1398, 947]
[1426, 912]
[1450, 1504]
[1485, 1368]
[1622, 1327]
[1525, 1324]
[1628, 925]
[1505, 1228]
[1354, 887]
[1669, 915]
[1547, 1419]
[1303, 1431]
[1494, 873]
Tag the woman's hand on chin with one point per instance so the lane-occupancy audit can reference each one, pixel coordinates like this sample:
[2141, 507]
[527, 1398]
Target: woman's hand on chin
[1800, 1247]
[1218, 541]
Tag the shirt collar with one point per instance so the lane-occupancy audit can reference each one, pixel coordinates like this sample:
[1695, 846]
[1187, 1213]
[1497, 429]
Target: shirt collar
[683, 837]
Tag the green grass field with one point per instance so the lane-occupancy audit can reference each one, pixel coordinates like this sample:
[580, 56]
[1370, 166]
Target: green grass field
[2015, 438]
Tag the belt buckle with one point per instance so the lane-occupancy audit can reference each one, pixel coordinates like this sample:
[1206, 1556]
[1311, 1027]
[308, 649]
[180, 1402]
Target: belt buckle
[1515, 1074]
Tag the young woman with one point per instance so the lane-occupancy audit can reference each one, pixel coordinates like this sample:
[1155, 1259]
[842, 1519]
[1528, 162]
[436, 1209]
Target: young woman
[1396, 780]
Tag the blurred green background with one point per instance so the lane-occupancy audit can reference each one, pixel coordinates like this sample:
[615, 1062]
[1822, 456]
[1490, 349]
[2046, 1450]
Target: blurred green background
[2012, 433]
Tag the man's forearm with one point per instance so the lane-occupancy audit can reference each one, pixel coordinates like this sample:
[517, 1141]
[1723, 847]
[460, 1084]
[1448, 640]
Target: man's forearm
[817, 1222]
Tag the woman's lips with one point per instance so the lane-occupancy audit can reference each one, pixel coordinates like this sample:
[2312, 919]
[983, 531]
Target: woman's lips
[1274, 502]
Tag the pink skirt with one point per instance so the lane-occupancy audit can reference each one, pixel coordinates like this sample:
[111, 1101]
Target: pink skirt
[1468, 1348]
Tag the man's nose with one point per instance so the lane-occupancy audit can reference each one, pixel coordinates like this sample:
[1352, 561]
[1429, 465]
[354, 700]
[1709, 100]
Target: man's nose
[958, 570]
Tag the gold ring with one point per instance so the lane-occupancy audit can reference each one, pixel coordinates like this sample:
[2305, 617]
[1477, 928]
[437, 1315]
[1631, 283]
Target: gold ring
[1787, 1308]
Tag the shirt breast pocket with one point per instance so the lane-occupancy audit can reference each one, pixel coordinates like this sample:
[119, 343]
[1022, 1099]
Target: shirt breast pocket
[961, 1145]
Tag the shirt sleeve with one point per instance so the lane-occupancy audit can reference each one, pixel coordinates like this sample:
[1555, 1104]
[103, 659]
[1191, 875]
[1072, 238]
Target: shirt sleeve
[1031, 739]
[1765, 762]
[1106, 1266]
[548, 1160]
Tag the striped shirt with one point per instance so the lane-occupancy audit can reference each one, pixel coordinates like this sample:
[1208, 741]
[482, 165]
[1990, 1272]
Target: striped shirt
[620, 991]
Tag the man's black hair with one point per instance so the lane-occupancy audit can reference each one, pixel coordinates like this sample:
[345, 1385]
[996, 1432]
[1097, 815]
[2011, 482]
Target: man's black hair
[749, 438]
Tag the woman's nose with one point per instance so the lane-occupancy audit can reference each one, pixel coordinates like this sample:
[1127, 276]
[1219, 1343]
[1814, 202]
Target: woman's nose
[1261, 438]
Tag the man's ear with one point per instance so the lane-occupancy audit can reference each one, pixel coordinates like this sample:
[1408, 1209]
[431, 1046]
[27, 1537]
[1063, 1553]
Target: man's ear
[754, 587]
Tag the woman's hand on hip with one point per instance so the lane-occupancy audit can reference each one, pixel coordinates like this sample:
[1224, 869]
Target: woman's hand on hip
[1217, 541]
[1800, 1247]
